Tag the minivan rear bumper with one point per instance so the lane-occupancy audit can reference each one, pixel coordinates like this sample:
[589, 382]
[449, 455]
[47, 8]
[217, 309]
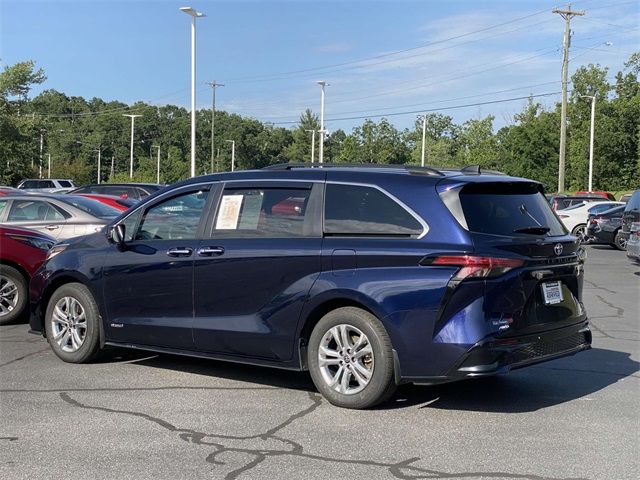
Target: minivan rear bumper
[494, 355]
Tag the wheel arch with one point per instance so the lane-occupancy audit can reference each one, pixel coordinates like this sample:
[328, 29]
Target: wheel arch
[319, 309]
[57, 282]
[12, 264]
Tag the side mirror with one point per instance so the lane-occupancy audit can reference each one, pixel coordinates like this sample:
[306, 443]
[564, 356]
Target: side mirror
[117, 234]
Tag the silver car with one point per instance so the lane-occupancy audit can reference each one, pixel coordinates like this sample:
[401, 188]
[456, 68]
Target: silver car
[61, 216]
[47, 185]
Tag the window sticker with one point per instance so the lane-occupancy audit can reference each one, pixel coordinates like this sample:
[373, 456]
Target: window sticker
[229, 212]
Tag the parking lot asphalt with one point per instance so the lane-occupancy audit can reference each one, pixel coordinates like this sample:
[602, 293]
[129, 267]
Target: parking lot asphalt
[144, 416]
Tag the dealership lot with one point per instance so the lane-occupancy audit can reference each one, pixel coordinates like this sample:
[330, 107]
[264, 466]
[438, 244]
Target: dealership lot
[136, 415]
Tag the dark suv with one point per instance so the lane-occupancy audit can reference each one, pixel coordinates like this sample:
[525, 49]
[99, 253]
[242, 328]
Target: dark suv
[631, 214]
[367, 277]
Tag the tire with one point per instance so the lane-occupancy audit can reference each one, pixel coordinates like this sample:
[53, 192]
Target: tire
[13, 294]
[360, 391]
[580, 231]
[619, 242]
[75, 305]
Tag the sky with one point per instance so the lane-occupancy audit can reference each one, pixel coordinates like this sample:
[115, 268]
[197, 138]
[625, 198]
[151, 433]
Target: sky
[380, 58]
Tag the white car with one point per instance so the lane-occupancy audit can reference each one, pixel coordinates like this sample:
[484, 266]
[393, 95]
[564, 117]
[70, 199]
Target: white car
[575, 217]
[47, 185]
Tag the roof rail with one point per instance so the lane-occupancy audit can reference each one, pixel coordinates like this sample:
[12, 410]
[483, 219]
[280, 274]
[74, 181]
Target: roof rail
[408, 168]
[475, 170]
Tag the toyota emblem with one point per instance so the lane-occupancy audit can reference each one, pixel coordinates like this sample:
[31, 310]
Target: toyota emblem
[558, 248]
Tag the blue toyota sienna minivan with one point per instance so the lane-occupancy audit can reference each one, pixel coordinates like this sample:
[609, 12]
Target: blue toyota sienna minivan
[366, 277]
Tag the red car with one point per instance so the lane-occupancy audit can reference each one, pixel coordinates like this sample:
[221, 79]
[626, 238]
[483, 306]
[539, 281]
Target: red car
[8, 191]
[22, 251]
[113, 201]
[596, 193]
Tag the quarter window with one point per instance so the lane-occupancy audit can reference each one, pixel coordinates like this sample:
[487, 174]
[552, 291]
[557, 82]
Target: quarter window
[262, 212]
[361, 210]
[176, 218]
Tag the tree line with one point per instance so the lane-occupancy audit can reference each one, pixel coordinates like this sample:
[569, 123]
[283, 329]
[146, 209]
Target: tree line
[71, 130]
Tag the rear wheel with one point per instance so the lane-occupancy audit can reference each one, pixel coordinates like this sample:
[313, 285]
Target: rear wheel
[13, 294]
[580, 231]
[72, 324]
[619, 241]
[350, 359]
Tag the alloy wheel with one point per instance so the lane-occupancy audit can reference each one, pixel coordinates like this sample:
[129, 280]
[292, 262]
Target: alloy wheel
[9, 295]
[346, 360]
[69, 324]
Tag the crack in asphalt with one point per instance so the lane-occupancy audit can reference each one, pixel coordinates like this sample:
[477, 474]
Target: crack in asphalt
[619, 310]
[23, 357]
[276, 446]
[595, 285]
[11, 439]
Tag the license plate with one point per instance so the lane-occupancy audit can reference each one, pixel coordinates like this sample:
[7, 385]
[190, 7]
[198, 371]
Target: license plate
[552, 292]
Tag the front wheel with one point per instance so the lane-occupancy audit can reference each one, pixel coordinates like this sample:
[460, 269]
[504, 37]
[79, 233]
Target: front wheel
[13, 294]
[619, 241]
[350, 359]
[580, 231]
[72, 324]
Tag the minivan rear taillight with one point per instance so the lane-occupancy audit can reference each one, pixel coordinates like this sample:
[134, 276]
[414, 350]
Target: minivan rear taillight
[472, 266]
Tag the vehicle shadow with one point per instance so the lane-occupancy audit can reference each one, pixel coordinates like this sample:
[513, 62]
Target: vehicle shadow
[525, 390]
[520, 391]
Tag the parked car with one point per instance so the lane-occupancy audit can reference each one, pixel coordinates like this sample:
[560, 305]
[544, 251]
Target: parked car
[604, 228]
[22, 251]
[61, 216]
[135, 191]
[119, 203]
[633, 244]
[596, 193]
[367, 277]
[575, 218]
[48, 185]
[626, 197]
[562, 202]
[631, 214]
[8, 191]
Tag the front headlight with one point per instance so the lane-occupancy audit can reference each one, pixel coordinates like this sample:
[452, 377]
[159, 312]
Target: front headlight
[56, 249]
[35, 242]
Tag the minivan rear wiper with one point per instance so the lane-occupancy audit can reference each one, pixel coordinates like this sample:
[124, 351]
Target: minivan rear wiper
[535, 230]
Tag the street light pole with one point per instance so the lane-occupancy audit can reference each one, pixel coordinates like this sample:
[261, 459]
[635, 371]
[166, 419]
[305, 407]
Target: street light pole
[424, 138]
[213, 86]
[158, 171]
[42, 130]
[194, 14]
[133, 121]
[593, 117]
[49, 166]
[322, 84]
[99, 165]
[313, 144]
[233, 154]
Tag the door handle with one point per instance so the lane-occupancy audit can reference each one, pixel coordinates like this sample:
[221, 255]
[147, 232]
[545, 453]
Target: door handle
[210, 251]
[179, 252]
[52, 227]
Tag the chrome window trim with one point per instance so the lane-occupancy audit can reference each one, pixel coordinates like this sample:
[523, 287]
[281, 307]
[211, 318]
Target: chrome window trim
[421, 221]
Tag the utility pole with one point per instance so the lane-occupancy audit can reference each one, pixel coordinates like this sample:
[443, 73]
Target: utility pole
[133, 121]
[213, 86]
[424, 138]
[322, 84]
[99, 164]
[42, 130]
[313, 144]
[158, 172]
[593, 124]
[111, 172]
[49, 166]
[567, 14]
[233, 154]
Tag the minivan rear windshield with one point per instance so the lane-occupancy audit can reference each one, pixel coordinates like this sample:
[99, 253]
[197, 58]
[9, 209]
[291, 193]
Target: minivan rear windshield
[509, 209]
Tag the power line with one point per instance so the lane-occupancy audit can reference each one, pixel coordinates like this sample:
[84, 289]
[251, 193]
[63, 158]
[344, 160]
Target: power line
[413, 112]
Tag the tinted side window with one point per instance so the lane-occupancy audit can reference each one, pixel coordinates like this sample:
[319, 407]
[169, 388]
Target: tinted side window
[65, 184]
[360, 210]
[30, 184]
[46, 184]
[262, 212]
[173, 219]
[28, 210]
